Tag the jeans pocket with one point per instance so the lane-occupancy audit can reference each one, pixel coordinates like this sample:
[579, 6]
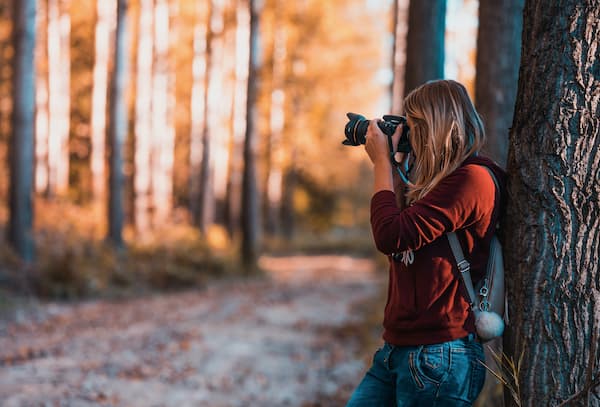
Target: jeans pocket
[433, 362]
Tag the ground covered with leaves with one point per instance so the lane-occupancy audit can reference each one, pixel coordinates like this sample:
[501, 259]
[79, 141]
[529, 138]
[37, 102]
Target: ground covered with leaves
[292, 338]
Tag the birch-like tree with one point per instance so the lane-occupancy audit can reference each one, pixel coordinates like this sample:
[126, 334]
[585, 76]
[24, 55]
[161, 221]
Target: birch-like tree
[105, 17]
[163, 131]
[143, 119]
[22, 140]
[234, 179]
[552, 225]
[41, 99]
[200, 137]
[274, 179]
[117, 131]
[250, 214]
[59, 106]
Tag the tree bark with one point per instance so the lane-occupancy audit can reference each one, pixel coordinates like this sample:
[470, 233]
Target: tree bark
[274, 179]
[200, 179]
[250, 215]
[162, 131]
[498, 54]
[117, 131]
[143, 120]
[552, 227]
[424, 42]
[104, 18]
[42, 113]
[23, 119]
[59, 68]
[234, 180]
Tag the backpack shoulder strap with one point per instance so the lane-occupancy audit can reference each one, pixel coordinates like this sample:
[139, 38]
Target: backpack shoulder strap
[463, 266]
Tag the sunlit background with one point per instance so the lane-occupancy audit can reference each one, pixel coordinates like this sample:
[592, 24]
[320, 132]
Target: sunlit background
[187, 78]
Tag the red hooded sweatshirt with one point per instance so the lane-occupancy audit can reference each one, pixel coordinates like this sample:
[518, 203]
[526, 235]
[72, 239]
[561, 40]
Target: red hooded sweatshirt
[426, 298]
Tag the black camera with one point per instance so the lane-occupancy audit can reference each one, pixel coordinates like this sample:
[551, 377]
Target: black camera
[356, 130]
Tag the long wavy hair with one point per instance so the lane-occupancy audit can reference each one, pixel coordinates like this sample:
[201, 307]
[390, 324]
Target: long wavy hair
[446, 130]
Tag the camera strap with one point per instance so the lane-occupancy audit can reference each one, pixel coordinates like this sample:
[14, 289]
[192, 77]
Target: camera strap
[402, 168]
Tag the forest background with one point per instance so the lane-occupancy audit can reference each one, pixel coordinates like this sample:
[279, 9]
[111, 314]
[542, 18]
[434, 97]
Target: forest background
[182, 154]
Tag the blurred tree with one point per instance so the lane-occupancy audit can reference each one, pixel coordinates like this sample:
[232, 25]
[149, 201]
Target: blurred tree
[250, 214]
[552, 241]
[275, 153]
[143, 119]
[117, 131]
[22, 140]
[201, 197]
[399, 32]
[424, 42]
[163, 132]
[498, 53]
[105, 16]
[59, 97]
[41, 113]
[234, 178]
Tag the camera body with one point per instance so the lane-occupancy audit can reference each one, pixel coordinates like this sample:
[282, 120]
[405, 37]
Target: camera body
[356, 130]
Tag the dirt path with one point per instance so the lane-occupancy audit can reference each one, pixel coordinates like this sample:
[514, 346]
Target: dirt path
[269, 342]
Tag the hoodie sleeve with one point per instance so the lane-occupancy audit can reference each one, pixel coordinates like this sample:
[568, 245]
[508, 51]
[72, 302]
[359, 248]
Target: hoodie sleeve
[459, 200]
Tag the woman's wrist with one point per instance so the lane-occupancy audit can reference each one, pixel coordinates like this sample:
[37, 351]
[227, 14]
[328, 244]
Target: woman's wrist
[382, 170]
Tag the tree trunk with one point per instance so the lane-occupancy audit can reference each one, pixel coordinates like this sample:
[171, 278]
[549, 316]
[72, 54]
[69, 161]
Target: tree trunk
[199, 137]
[117, 131]
[425, 42]
[104, 19]
[234, 180]
[143, 120]
[399, 31]
[274, 181]
[552, 241]
[59, 68]
[250, 206]
[42, 113]
[22, 141]
[162, 131]
[498, 54]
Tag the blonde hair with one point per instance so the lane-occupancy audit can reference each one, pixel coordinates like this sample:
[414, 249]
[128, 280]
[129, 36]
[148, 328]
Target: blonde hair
[446, 130]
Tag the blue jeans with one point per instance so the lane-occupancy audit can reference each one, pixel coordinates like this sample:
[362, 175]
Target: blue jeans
[443, 374]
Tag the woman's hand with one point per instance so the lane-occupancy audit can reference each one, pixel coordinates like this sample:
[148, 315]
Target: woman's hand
[377, 145]
[378, 149]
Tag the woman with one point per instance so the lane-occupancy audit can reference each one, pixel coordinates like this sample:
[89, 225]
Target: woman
[431, 355]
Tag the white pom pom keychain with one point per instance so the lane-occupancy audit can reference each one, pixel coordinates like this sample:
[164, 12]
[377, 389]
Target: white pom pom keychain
[489, 325]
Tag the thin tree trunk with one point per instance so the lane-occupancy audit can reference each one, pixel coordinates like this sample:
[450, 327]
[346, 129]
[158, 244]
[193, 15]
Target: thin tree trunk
[143, 120]
[498, 54]
[199, 140]
[274, 181]
[22, 141]
[400, 26]
[234, 179]
[202, 197]
[162, 131]
[41, 114]
[104, 19]
[552, 227]
[250, 215]
[118, 125]
[425, 42]
[222, 127]
[59, 66]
